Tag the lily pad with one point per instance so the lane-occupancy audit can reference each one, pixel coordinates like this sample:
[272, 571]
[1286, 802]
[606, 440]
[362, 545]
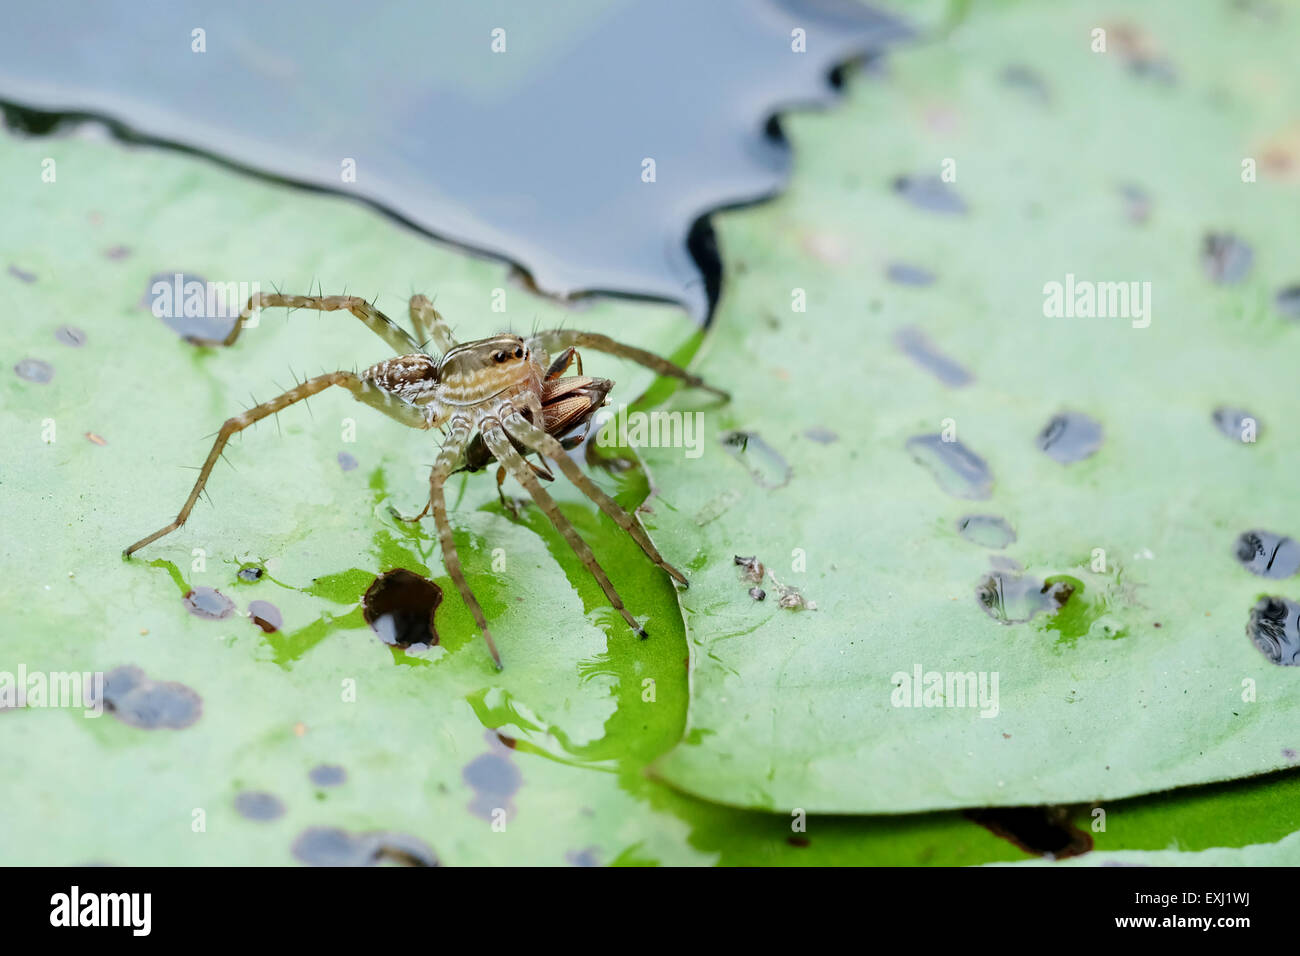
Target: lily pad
[1145, 678]
[250, 615]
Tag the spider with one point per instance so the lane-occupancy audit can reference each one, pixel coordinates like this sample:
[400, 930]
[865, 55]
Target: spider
[499, 398]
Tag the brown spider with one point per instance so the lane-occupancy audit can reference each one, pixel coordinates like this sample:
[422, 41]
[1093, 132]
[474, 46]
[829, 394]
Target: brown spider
[488, 397]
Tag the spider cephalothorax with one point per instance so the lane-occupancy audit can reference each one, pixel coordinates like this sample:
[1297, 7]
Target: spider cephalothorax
[499, 398]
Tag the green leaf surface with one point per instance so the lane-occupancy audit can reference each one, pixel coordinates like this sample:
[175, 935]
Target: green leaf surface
[789, 709]
[82, 789]
[1146, 679]
[572, 698]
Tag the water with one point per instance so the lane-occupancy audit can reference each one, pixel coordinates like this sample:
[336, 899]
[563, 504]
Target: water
[1233, 423]
[535, 154]
[258, 805]
[765, 464]
[916, 345]
[958, 470]
[1012, 598]
[266, 616]
[1226, 258]
[988, 531]
[209, 603]
[135, 699]
[332, 846]
[1267, 554]
[1070, 437]
[1274, 628]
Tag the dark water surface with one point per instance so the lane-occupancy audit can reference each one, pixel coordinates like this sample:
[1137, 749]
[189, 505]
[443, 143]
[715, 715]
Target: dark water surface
[535, 152]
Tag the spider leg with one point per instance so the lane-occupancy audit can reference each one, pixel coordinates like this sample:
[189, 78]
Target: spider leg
[539, 441]
[494, 434]
[397, 337]
[429, 324]
[361, 389]
[557, 339]
[446, 462]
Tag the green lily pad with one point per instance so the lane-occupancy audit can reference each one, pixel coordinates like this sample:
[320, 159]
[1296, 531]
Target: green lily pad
[435, 740]
[132, 406]
[1144, 679]
[102, 450]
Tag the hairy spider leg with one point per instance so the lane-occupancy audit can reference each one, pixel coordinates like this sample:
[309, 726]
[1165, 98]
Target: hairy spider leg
[397, 337]
[495, 435]
[430, 326]
[362, 390]
[457, 438]
[554, 339]
[548, 447]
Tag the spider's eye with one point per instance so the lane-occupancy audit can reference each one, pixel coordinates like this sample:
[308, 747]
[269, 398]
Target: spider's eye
[499, 356]
[519, 352]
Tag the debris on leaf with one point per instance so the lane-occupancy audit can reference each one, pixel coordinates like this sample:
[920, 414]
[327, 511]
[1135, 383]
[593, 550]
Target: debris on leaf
[790, 597]
[751, 569]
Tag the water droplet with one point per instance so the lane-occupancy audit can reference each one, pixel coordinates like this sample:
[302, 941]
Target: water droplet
[763, 462]
[328, 775]
[588, 857]
[209, 603]
[266, 616]
[1225, 258]
[1274, 628]
[1012, 598]
[904, 274]
[1288, 302]
[136, 700]
[259, 805]
[70, 335]
[959, 471]
[988, 531]
[34, 370]
[191, 307]
[917, 346]
[930, 193]
[1070, 437]
[1267, 554]
[1232, 422]
[1027, 81]
[333, 846]
[822, 436]
[1137, 203]
[495, 780]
